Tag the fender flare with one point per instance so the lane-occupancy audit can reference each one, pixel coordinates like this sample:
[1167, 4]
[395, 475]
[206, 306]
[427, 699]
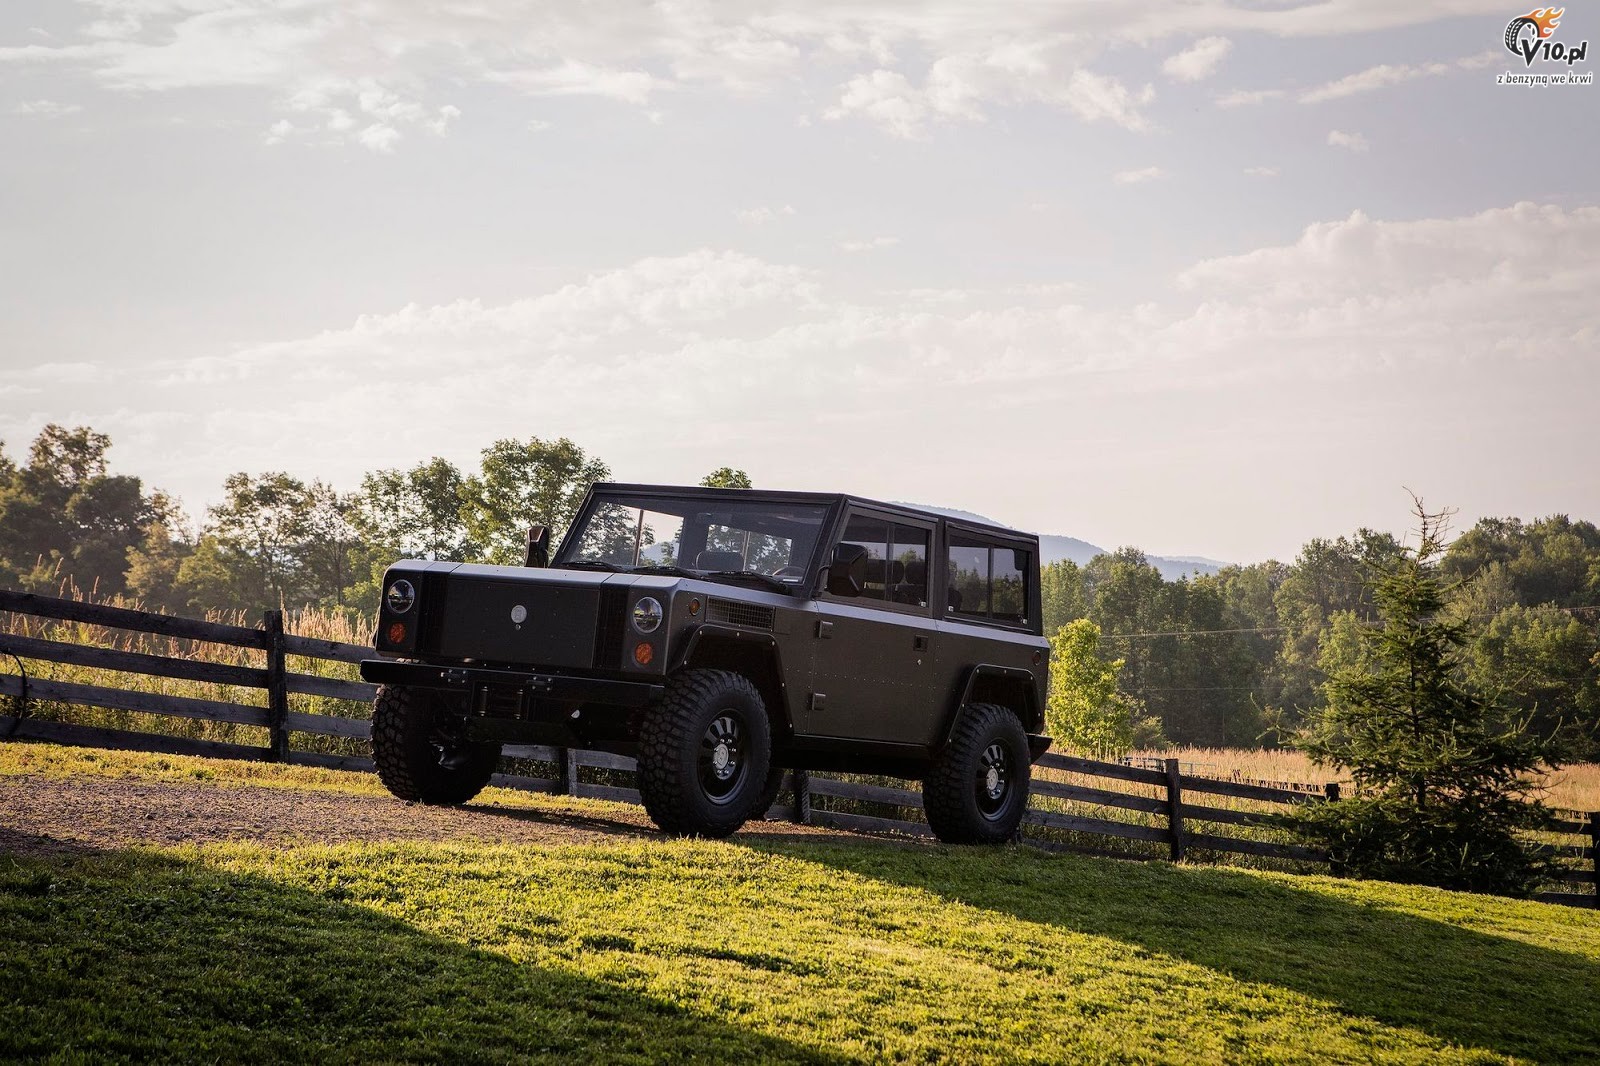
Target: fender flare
[711, 631]
[1031, 711]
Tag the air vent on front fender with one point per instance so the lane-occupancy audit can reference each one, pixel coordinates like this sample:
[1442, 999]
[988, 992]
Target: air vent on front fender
[748, 615]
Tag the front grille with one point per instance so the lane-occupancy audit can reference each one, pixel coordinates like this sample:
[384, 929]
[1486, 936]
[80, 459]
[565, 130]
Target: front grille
[748, 615]
[609, 629]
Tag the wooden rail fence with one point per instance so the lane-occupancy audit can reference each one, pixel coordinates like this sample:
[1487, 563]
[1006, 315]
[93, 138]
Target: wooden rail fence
[1150, 810]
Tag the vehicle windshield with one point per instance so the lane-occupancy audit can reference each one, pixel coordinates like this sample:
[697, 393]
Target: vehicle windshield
[631, 531]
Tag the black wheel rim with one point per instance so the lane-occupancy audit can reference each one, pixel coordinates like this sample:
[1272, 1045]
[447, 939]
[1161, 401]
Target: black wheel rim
[448, 739]
[722, 758]
[994, 780]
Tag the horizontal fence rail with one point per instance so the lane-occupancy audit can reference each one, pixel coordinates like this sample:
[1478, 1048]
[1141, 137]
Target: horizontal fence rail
[1137, 809]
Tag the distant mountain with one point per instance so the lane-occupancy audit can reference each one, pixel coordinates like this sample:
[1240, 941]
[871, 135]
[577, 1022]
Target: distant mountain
[1054, 547]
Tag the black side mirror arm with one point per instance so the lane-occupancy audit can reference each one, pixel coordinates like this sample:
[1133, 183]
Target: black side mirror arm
[538, 547]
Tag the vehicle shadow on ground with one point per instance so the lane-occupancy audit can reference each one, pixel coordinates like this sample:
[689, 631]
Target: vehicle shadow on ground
[132, 954]
[1460, 985]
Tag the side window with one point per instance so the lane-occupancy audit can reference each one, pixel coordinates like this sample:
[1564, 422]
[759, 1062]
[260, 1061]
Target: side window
[909, 553]
[873, 535]
[1009, 591]
[969, 578]
[988, 580]
[897, 559]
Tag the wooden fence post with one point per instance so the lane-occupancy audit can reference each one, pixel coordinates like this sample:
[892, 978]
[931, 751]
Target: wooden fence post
[1594, 852]
[802, 797]
[277, 689]
[569, 771]
[1175, 808]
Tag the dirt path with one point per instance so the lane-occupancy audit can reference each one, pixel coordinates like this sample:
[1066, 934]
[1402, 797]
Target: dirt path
[46, 815]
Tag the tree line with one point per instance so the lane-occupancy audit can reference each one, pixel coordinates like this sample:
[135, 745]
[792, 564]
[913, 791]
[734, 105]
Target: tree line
[1242, 657]
[1238, 658]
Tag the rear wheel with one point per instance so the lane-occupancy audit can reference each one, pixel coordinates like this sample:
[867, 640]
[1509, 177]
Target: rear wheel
[977, 789]
[420, 747]
[704, 754]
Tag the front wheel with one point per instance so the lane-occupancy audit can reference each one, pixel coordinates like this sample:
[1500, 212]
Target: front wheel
[977, 789]
[704, 754]
[420, 749]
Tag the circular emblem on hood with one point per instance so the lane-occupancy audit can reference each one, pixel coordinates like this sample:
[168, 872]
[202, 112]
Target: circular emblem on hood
[519, 614]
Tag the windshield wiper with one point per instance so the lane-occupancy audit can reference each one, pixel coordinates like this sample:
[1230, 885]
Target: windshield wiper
[663, 568]
[755, 575]
[591, 564]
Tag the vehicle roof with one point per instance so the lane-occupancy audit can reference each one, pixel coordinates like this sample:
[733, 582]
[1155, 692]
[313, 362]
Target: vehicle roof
[817, 497]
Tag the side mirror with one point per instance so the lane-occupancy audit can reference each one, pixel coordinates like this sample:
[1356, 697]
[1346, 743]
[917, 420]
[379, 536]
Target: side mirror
[847, 570]
[538, 547]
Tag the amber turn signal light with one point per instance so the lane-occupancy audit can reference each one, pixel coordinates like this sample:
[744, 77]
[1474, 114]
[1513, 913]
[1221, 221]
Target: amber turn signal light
[643, 653]
[397, 633]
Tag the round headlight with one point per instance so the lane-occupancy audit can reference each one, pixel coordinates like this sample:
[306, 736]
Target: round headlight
[401, 595]
[647, 615]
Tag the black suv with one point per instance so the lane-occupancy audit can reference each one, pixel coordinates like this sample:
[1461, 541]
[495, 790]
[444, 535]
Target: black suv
[719, 636]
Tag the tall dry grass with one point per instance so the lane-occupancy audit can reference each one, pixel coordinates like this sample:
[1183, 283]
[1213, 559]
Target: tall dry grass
[1575, 787]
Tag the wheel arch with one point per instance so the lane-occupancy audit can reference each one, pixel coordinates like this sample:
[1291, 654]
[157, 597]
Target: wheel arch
[754, 655]
[1008, 687]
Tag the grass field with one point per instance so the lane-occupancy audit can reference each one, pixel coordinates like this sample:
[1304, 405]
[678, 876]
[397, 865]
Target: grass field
[760, 948]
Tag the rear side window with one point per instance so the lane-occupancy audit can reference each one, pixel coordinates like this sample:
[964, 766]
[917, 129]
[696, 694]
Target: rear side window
[988, 579]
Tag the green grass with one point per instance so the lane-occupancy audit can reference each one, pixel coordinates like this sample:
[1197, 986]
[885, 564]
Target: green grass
[761, 948]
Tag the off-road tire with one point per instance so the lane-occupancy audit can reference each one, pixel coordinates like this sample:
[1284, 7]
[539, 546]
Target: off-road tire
[953, 793]
[672, 765]
[406, 735]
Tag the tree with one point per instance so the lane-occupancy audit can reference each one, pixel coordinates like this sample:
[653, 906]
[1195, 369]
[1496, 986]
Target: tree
[416, 513]
[726, 477]
[63, 517]
[1540, 661]
[274, 540]
[1327, 577]
[1442, 774]
[1084, 710]
[521, 484]
[155, 564]
[1061, 594]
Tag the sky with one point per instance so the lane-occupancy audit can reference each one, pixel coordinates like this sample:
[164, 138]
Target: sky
[1209, 279]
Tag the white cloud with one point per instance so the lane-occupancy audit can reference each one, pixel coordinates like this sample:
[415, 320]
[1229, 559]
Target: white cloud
[1385, 75]
[1199, 61]
[379, 137]
[963, 87]
[1353, 142]
[45, 109]
[393, 60]
[1248, 97]
[760, 216]
[1261, 172]
[870, 245]
[1346, 297]
[1133, 177]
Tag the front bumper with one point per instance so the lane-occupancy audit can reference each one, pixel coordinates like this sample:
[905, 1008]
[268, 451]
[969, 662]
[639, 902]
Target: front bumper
[468, 679]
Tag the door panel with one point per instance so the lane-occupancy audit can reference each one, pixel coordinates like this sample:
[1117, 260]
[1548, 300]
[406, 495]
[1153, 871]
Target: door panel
[874, 655]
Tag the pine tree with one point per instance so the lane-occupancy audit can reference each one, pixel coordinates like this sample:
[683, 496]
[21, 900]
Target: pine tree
[1442, 773]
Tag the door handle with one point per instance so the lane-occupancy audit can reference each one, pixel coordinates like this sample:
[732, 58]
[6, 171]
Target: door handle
[824, 629]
